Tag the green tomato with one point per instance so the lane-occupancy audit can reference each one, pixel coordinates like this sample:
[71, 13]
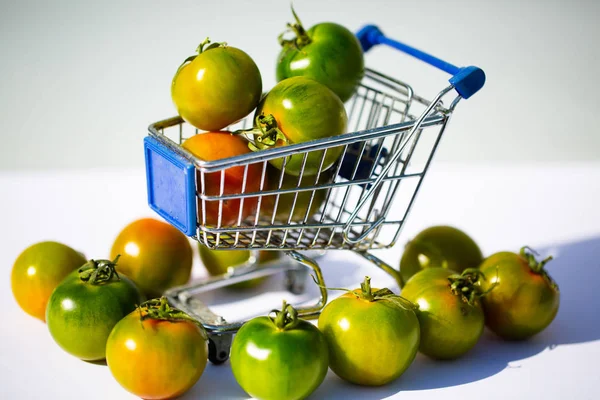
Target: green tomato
[439, 246]
[85, 307]
[298, 110]
[372, 335]
[328, 53]
[451, 323]
[283, 358]
[525, 299]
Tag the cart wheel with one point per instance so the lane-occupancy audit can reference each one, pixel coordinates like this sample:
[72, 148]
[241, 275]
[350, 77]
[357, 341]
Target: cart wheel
[218, 348]
[295, 279]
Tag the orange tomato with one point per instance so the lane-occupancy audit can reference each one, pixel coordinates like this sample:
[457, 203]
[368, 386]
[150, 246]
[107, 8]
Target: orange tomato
[38, 270]
[154, 254]
[211, 146]
[156, 359]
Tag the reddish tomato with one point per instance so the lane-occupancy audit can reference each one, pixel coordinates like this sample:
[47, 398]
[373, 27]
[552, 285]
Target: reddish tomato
[525, 299]
[38, 270]
[157, 352]
[213, 146]
[154, 254]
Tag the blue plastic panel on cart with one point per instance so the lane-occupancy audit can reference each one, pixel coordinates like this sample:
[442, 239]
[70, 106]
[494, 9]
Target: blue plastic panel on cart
[171, 186]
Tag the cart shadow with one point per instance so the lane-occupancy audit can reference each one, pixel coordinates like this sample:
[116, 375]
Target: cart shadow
[574, 269]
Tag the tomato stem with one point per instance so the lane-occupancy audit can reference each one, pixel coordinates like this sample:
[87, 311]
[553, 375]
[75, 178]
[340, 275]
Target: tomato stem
[265, 131]
[96, 272]
[537, 266]
[159, 309]
[366, 293]
[202, 47]
[302, 39]
[286, 318]
[467, 285]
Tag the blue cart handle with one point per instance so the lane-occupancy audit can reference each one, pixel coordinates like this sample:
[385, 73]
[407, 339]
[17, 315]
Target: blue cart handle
[466, 80]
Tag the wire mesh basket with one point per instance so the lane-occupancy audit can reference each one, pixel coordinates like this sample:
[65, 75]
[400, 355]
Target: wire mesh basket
[360, 203]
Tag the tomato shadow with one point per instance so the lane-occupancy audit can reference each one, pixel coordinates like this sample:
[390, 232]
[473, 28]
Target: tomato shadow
[574, 269]
[216, 382]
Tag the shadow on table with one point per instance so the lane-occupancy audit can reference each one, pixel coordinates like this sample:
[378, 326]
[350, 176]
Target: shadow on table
[575, 270]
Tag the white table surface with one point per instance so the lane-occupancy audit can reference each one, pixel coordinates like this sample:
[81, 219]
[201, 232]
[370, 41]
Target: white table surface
[551, 207]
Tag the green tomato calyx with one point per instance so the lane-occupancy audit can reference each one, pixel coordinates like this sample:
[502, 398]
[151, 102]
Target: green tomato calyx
[529, 255]
[286, 318]
[207, 45]
[467, 285]
[266, 131]
[366, 293]
[159, 309]
[300, 40]
[96, 272]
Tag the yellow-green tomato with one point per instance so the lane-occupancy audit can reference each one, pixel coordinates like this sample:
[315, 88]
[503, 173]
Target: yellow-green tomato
[217, 87]
[439, 246]
[372, 338]
[303, 110]
[451, 324]
[284, 358]
[38, 270]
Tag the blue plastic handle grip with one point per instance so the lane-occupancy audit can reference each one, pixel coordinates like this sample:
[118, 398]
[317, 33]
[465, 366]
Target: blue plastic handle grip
[466, 80]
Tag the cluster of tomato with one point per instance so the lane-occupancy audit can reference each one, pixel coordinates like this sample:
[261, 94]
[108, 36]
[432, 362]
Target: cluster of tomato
[317, 71]
[371, 336]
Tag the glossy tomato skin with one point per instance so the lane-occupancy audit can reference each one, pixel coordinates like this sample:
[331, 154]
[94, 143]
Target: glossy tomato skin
[154, 254]
[305, 110]
[334, 58]
[370, 343]
[523, 303]
[270, 363]
[439, 246]
[450, 327]
[211, 146]
[218, 87]
[38, 270]
[81, 315]
[156, 359]
[302, 203]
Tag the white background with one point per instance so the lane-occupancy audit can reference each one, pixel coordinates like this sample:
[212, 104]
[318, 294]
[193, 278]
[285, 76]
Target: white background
[81, 80]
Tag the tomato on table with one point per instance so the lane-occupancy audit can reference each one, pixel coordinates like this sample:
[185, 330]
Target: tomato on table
[450, 312]
[85, 307]
[439, 246]
[373, 335]
[297, 110]
[526, 298]
[154, 254]
[157, 352]
[281, 357]
[38, 270]
[211, 146]
[327, 52]
[217, 87]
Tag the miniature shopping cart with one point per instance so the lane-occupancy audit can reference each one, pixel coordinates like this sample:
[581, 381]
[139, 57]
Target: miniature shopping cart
[394, 135]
